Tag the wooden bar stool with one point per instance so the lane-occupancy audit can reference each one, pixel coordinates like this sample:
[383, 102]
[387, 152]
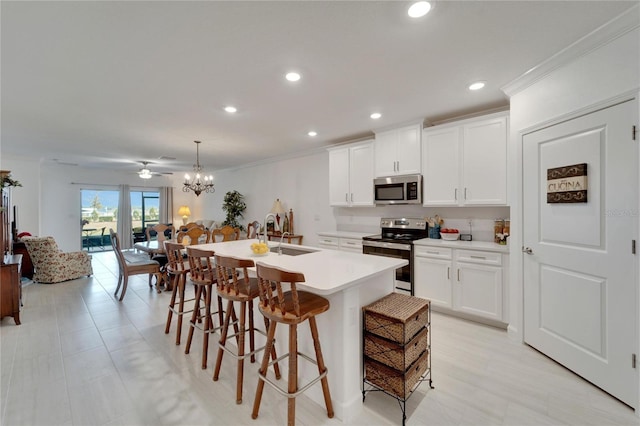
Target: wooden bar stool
[291, 307]
[177, 270]
[235, 288]
[203, 277]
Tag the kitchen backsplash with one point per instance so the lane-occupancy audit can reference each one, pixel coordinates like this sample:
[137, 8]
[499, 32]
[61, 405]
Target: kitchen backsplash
[367, 219]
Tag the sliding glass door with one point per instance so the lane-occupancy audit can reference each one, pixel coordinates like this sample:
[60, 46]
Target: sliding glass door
[145, 211]
[99, 215]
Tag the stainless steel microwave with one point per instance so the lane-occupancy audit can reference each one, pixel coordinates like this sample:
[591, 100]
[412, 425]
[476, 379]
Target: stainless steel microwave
[406, 189]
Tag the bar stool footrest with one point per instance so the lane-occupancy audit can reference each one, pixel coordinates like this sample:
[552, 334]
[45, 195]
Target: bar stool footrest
[284, 392]
[235, 354]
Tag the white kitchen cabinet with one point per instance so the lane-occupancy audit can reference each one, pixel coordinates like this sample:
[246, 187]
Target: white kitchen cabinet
[351, 175]
[478, 283]
[461, 280]
[465, 163]
[397, 151]
[433, 276]
[329, 242]
[350, 244]
[341, 241]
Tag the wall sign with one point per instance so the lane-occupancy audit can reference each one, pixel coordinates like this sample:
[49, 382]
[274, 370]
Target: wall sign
[567, 184]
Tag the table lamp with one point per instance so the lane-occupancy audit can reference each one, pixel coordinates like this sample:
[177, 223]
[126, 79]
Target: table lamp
[185, 213]
[277, 209]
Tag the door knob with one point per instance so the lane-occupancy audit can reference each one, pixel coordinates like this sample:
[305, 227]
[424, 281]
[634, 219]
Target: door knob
[527, 250]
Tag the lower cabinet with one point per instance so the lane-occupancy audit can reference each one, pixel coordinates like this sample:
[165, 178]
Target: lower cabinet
[341, 243]
[466, 281]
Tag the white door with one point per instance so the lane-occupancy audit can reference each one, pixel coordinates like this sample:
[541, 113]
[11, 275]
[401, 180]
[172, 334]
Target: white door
[580, 278]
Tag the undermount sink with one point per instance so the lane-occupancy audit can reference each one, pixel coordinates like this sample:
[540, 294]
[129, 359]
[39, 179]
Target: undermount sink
[291, 251]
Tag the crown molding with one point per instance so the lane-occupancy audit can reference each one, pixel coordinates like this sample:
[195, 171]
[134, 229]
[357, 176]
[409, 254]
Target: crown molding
[606, 33]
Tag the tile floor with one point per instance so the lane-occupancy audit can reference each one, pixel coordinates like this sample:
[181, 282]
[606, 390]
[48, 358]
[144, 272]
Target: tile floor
[82, 358]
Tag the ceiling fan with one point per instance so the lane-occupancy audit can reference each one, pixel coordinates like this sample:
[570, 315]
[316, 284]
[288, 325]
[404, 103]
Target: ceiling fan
[145, 173]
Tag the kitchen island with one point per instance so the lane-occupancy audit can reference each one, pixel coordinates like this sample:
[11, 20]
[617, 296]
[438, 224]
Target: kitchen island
[349, 281]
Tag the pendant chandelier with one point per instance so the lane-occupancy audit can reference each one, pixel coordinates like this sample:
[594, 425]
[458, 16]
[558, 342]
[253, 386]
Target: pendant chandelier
[199, 183]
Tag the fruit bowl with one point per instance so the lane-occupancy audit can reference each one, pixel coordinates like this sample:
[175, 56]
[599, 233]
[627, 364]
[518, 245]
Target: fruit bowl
[449, 234]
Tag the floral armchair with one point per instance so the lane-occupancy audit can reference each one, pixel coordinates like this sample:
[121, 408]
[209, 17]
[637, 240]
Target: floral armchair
[52, 265]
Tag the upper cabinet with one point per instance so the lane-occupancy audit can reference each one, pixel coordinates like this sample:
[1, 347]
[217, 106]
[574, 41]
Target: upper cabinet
[398, 151]
[465, 163]
[351, 175]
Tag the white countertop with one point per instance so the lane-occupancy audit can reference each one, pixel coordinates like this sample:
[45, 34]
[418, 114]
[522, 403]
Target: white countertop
[344, 234]
[469, 245]
[326, 271]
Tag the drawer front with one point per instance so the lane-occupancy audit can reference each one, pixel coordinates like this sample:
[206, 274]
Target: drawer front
[395, 355]
[482, 257]
[433, 252]
[351, 244]
[328, 242]
[394, 330]
[396, 382]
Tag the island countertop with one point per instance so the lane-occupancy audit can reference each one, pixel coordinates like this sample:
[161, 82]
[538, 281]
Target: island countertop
[326, 271]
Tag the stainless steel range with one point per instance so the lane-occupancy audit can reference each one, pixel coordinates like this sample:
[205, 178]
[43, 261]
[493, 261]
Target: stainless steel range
[396, 240]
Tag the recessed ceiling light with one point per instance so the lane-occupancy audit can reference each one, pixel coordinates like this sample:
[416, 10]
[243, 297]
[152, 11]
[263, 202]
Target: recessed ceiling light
[292, 76]
[419, 9]
[375, 115]
[477, 85]
[312, 133]
[230, 109]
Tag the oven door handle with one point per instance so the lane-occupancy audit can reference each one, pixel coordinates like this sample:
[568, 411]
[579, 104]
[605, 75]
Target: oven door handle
[397, 246]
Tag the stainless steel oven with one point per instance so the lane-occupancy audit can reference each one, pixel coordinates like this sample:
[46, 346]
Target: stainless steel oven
[399, 251]
[396, 240]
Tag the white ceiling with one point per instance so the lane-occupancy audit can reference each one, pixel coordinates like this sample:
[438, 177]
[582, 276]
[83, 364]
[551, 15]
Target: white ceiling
[108, 84]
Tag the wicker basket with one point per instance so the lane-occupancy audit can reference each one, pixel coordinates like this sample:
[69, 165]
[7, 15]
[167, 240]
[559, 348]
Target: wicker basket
[392, 354]
[396, 317]
[397, 383]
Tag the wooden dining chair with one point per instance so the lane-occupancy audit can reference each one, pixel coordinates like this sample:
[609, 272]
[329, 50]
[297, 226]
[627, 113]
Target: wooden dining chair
[226, 233]
[130, 263]
[186, 227]
[161, 232]
[253, 230]
[195, 235]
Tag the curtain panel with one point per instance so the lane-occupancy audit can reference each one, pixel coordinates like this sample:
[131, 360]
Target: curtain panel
[124, 218]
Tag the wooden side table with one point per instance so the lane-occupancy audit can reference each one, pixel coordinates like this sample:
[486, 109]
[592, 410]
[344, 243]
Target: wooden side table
[10, 288]
[288, 237]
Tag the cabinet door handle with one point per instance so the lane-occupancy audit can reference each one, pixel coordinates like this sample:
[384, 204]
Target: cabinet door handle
[448, 272]
[352, 197]
[478, 257]
[346, 197]
[458, 274]
[398, 165]
[433, 252]
[455, 194]
[465, 193]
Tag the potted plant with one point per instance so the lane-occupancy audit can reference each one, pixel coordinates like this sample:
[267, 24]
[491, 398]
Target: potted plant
[7, 181]
[233, 205]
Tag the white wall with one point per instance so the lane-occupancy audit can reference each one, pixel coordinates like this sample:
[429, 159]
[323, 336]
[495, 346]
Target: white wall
[600, 70]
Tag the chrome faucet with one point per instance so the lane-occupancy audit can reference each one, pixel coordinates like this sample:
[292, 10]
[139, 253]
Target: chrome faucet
[266, 219]
[280, 245]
